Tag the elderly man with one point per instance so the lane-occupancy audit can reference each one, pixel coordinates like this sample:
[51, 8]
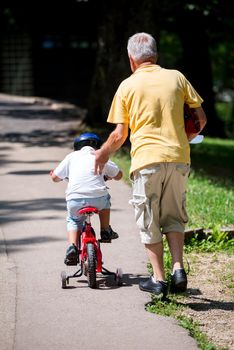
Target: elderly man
[151, 103]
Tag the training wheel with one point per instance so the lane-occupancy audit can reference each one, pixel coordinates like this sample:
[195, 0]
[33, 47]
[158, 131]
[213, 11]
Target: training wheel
[119, 276]
[64, 279]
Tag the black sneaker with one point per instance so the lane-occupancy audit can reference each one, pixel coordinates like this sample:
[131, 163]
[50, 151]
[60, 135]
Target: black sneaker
[158, 288]
[71, 257]
[179, 281]
[108, 235]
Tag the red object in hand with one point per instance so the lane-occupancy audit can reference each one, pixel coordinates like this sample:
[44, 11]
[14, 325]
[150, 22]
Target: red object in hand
[192, 124]
[51, 172]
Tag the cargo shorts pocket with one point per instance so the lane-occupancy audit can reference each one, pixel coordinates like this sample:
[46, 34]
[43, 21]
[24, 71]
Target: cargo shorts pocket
[183, 169]
[142, 215]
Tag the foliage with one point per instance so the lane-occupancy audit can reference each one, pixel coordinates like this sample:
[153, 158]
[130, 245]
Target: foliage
[216, 241]
[209, 203]
[225, 112]
[212, 159]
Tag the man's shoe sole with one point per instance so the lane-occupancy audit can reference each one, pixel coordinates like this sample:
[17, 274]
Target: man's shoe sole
[179, 287]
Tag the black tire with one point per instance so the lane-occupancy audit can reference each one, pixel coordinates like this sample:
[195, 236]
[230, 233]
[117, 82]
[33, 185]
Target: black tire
[64, 279]
[91, 260]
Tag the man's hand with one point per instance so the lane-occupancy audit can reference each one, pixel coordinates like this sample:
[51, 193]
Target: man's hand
[100, 160]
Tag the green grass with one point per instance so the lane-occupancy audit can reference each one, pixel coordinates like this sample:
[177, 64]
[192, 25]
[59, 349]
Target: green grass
[213, 159]
[174, 308]
[209, 203]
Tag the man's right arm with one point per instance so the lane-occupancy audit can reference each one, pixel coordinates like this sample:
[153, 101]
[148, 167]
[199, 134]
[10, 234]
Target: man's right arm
[112, 144]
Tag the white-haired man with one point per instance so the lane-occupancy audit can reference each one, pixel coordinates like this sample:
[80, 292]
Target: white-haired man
[151, 103]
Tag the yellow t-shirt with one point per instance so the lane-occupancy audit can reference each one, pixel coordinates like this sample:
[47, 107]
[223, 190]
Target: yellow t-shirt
[151, 101]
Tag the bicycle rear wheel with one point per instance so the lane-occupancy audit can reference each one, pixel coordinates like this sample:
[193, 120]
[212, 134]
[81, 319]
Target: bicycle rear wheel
[91, 268]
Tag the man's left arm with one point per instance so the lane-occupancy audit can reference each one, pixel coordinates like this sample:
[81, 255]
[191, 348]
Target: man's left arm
[200, 120]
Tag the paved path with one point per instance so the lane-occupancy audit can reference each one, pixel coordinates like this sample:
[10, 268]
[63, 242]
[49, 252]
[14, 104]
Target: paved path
[35, 313]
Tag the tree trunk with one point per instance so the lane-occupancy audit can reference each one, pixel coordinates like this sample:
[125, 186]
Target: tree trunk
[119, 20]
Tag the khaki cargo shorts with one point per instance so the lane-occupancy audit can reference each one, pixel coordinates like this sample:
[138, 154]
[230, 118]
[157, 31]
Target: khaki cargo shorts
[159, 199]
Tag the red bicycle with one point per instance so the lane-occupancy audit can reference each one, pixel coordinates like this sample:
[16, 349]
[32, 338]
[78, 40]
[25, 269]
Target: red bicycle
[90, 255]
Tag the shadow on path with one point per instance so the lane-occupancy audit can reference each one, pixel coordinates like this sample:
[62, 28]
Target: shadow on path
[15, 245]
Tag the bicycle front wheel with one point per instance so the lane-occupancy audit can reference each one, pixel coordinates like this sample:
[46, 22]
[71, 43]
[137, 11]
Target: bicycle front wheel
[91, 268]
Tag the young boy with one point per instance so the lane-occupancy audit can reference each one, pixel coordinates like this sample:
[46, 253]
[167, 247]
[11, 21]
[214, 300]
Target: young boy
[85, 189]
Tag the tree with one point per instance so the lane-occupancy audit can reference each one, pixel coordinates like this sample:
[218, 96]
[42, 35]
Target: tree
[193, 22]
[119, 20]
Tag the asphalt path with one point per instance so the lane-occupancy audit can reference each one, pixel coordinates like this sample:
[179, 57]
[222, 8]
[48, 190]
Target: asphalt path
[35, 312]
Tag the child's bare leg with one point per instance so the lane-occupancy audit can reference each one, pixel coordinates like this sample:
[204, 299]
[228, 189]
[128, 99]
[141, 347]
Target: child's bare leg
[72, 237]
[106, 231]
[104, 216]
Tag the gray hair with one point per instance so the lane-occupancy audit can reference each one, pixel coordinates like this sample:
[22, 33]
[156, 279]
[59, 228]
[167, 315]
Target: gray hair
[142, 47]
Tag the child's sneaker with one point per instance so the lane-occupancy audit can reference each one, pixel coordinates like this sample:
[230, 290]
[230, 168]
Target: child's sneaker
[71, 257]
[108, 235]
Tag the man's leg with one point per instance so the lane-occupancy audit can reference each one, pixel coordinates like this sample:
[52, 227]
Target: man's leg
[176, 245]
[179, 277]
[155, 254]
[157, 283]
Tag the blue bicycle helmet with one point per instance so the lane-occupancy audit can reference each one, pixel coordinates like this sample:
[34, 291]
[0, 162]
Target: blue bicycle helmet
[87, 139]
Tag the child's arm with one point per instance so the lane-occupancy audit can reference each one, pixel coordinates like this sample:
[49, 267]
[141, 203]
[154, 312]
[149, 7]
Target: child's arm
[116, 177]
[61, 172]
[54, 177]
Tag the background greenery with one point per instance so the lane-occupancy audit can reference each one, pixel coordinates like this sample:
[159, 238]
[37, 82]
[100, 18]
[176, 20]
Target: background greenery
[193, 36]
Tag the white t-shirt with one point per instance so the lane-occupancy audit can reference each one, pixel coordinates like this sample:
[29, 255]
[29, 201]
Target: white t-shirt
[78, 167]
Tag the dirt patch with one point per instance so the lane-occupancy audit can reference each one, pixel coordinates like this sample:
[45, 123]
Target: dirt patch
[210, 298]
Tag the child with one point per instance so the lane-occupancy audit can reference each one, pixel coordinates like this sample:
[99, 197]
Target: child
[85, 189]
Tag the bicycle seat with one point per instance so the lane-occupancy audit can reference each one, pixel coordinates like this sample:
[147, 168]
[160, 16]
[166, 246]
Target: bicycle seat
[88, 210]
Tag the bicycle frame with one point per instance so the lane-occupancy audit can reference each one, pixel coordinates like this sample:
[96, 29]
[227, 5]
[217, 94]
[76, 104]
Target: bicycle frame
[88, 236]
